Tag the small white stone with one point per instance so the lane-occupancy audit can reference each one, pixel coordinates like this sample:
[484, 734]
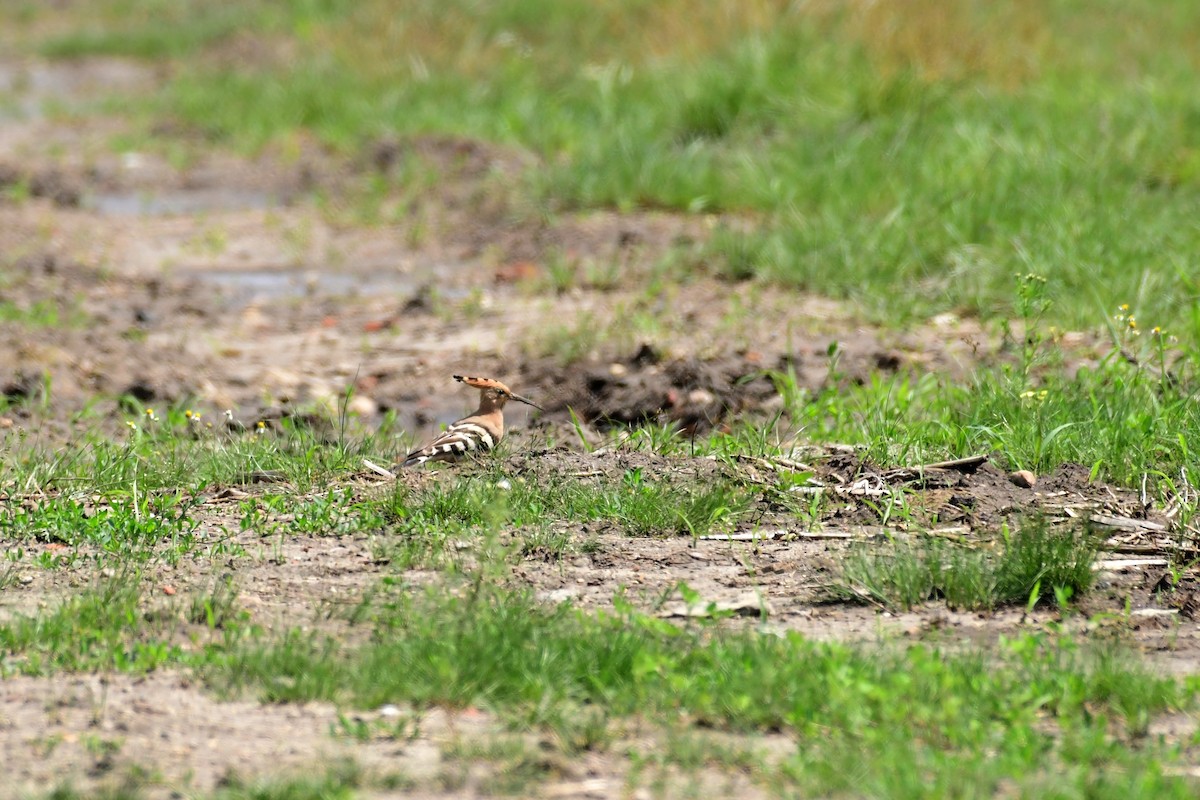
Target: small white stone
[363, 406]
[503, 484]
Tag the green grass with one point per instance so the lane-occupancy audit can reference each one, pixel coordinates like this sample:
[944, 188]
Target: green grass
[339, 782]
[177, 449]
[910, 160]
[501, 516]
[1125, 411]
[940, 722]
[953, 722]
[1029, 564]
[107, 628]
[156, 29]
[926, 717]
[1114, 420]
[42, 314]
[123, 526]
[636, 504]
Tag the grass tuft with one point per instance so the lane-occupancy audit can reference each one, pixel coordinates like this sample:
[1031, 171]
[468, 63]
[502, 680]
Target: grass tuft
[107, 628]
[1029, 564]
[639, 506]
[919, 711]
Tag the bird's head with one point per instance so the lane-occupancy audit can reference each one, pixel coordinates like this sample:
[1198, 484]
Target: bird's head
[494, 392]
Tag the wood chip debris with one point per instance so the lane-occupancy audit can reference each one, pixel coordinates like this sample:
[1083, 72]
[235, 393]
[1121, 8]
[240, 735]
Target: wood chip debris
[1154, 612]
[967, 465]
[591, 787]
[1128, 523]
[753, 536]
[760, 536]
[229, 493]
[776, 463]
[1122, 564]
[378, 470]
[748, 605]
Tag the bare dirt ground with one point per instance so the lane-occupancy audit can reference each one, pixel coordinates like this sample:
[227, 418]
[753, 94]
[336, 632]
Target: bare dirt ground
[115, 729]
[225, 284]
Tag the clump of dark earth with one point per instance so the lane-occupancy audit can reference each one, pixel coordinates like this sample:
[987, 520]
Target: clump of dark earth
[49, 183]
[981, 497]
[697, 395]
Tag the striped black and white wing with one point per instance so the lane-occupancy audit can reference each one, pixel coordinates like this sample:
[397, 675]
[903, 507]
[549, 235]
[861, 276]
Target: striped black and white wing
[457, 441]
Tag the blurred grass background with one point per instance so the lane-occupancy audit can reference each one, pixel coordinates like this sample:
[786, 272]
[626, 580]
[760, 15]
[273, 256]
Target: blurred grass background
[908, 156]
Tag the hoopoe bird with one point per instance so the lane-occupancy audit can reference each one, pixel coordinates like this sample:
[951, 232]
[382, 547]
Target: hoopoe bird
[477, 433]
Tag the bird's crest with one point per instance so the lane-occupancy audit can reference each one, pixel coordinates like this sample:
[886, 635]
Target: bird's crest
[482, 383]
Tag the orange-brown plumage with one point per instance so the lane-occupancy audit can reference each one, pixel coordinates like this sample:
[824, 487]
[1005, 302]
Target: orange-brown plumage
[479, 432]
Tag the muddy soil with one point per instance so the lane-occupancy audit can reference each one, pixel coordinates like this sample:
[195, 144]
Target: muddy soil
[223, 284]
[238, 283]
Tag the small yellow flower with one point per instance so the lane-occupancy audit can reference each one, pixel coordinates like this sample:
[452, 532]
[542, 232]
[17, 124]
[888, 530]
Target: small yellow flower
[1123, 308]
[1156, 332]
[261, 424]
[188, 413]
[150, 415]
[132, 425]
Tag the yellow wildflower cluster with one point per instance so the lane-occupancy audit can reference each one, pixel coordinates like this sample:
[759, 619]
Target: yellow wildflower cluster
[1130, 325]
[1125, 318]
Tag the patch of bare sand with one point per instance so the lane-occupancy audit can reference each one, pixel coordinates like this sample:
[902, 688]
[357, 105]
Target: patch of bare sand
[165, 734]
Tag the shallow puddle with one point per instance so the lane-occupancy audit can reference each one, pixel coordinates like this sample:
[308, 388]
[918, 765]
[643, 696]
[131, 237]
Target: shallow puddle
[244, 286]
[27, 88]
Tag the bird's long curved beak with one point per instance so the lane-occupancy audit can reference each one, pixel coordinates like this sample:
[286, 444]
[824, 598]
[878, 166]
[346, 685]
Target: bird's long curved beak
[526, 401]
